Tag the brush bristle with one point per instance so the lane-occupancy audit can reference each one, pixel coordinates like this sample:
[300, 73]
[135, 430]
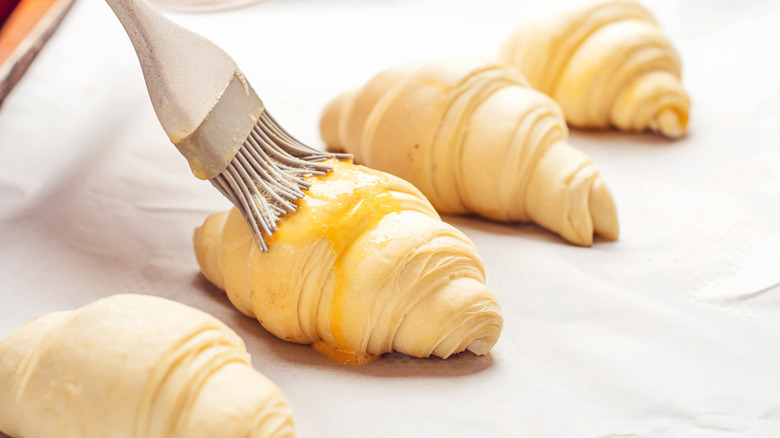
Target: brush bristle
[265, 178]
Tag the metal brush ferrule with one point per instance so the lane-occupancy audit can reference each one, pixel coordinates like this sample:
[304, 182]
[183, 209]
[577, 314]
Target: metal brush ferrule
[213, 144]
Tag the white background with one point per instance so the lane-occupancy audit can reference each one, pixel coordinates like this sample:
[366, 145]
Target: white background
[674, 330]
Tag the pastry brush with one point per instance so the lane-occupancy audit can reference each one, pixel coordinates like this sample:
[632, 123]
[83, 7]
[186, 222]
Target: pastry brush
[216, 120]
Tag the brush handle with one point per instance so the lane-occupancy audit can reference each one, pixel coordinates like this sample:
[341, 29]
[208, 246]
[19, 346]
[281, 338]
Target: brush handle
[185, 73]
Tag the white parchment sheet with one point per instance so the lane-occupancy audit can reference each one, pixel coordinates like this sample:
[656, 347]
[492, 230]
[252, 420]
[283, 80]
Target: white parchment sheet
[674, 330]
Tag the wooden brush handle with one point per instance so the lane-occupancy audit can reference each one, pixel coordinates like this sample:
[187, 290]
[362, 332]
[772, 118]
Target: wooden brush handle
[185, 73]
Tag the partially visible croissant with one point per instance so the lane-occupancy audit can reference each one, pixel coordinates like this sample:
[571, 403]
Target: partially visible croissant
[134, 366]
[363, 267]
[474, 137]
[606, 64]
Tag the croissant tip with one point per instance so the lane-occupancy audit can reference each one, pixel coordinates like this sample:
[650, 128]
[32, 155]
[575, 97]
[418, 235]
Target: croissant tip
[603, 211]
[670, 123]
[481, 346]
[331, 120]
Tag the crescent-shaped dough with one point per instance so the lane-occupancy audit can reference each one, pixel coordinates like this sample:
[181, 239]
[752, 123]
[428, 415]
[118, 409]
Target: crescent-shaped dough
[134, 366]
[474, 138]
[363, 267]
[606, 64]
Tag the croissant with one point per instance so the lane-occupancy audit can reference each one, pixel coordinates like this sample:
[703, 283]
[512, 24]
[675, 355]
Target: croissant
[363, 267]
[606, 64]
[134, 366]
[474, 138]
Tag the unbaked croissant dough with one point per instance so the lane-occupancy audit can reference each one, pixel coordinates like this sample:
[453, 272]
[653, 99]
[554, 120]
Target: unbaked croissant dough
[606, 64]
[138, 367]
[474, 138]
[363, 267]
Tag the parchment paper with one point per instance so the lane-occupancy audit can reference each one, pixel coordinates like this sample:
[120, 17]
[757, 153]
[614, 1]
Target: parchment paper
[670, 331]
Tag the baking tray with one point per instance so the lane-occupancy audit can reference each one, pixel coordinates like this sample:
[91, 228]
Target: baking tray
[23, 34]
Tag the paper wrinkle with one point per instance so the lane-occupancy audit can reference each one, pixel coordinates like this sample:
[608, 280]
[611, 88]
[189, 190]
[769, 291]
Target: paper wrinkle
[670, 331]
[758, 272]
[757, 293]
